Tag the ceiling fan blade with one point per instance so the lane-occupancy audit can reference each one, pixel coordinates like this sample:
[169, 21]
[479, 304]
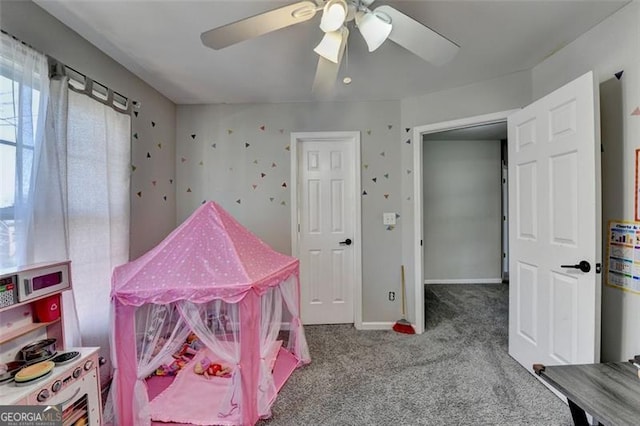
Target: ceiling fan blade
[419, 39]
[258, 25]
[327, 71]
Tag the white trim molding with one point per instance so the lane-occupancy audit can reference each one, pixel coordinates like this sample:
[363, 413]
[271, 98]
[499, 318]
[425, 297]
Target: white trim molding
[418, 253]
[354, 138]
[466, 281]
[373, 325]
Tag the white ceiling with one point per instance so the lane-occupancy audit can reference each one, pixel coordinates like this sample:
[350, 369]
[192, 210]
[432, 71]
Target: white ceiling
[160, 42]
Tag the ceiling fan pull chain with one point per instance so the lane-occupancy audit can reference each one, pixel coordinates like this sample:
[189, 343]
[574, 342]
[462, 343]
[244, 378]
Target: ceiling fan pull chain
[346, 59]
[347, 78]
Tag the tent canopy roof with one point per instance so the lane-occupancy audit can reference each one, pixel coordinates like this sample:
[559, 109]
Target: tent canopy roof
[209, 256]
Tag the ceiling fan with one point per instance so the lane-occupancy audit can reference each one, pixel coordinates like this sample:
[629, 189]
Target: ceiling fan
[375, 26]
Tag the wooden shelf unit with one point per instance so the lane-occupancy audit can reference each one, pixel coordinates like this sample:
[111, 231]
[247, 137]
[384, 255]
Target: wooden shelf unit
[19, 325]
[13, 334]
[29, 302]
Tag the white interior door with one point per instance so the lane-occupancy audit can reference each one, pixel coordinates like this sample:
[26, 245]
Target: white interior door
[327, 239]
[555, 220]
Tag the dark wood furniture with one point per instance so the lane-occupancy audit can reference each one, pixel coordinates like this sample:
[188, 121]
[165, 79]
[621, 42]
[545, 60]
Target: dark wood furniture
[608, 391]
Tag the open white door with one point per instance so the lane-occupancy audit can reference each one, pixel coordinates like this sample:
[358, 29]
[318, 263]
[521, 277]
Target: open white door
[555, 220]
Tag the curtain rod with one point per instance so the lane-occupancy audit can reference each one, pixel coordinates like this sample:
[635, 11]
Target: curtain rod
[106, 96]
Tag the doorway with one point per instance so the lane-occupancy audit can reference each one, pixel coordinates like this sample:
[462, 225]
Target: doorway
[464, 198]
[555, 225]
[418, 134]
[326, 225]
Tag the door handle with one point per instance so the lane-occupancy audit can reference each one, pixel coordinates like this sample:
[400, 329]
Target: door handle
[346, 242]
[584, 266]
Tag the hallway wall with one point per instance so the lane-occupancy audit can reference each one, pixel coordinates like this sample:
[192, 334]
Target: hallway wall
[462, 211]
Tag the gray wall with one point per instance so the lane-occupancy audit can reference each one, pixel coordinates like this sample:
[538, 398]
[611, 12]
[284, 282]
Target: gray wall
[609, 47]
[462, 211]
[153, 129]
[500, 94]
[224, 150]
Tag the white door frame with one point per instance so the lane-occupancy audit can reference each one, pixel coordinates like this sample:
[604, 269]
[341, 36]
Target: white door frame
[353, 138]
[418, 251]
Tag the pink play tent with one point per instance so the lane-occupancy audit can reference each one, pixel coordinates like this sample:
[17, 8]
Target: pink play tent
[213, 279]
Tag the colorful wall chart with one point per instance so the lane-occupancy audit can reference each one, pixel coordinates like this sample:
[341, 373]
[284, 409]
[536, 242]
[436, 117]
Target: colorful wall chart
[623, 256]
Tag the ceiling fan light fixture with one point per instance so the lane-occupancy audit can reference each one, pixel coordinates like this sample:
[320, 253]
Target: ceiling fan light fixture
[375, 28]
[334, 15]
[331, 45]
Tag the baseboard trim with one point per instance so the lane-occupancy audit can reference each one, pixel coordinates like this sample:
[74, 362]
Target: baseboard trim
[467, 281]
[377, 325]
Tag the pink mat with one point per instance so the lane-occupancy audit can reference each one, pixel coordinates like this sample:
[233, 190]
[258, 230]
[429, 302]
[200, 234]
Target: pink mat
[285, 364]
[155, 385]
[161, 391]
[193, 399]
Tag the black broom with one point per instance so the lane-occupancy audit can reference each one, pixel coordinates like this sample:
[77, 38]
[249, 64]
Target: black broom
[402, 325]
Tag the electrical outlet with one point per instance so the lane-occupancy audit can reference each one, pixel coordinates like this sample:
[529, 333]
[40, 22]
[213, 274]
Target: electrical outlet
[392, 296]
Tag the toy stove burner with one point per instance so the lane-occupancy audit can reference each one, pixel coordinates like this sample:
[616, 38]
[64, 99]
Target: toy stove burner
[65, 357]
[34, 380]
[42, 358]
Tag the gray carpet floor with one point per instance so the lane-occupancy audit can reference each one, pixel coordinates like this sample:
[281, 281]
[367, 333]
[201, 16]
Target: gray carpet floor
[457, 373]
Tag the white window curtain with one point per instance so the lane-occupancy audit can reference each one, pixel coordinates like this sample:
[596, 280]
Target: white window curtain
[216, 325]
[49, 239]
[64, 194]
[270, 323]
[24, 91]
[34, 117]
[98, 159]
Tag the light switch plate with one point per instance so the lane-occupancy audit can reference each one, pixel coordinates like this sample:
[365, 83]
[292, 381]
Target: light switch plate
[388, 218]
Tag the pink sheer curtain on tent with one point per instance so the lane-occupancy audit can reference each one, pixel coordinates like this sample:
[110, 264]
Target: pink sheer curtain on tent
[222, 337]
[270, 321]
[161, 332]
[205, 400]
[290, 289]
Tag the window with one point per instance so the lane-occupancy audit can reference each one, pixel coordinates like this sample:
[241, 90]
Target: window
[18, 129]
[63, 194]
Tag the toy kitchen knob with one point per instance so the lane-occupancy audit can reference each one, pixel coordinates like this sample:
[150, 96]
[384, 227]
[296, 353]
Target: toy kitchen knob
[55, 387]
[88, 365]
[77, 372]
[42, 395]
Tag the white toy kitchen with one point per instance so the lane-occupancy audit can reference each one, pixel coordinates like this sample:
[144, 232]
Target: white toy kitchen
[36, 366]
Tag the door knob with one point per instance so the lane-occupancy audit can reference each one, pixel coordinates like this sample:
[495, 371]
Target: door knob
[584, 266]
[346, 242]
